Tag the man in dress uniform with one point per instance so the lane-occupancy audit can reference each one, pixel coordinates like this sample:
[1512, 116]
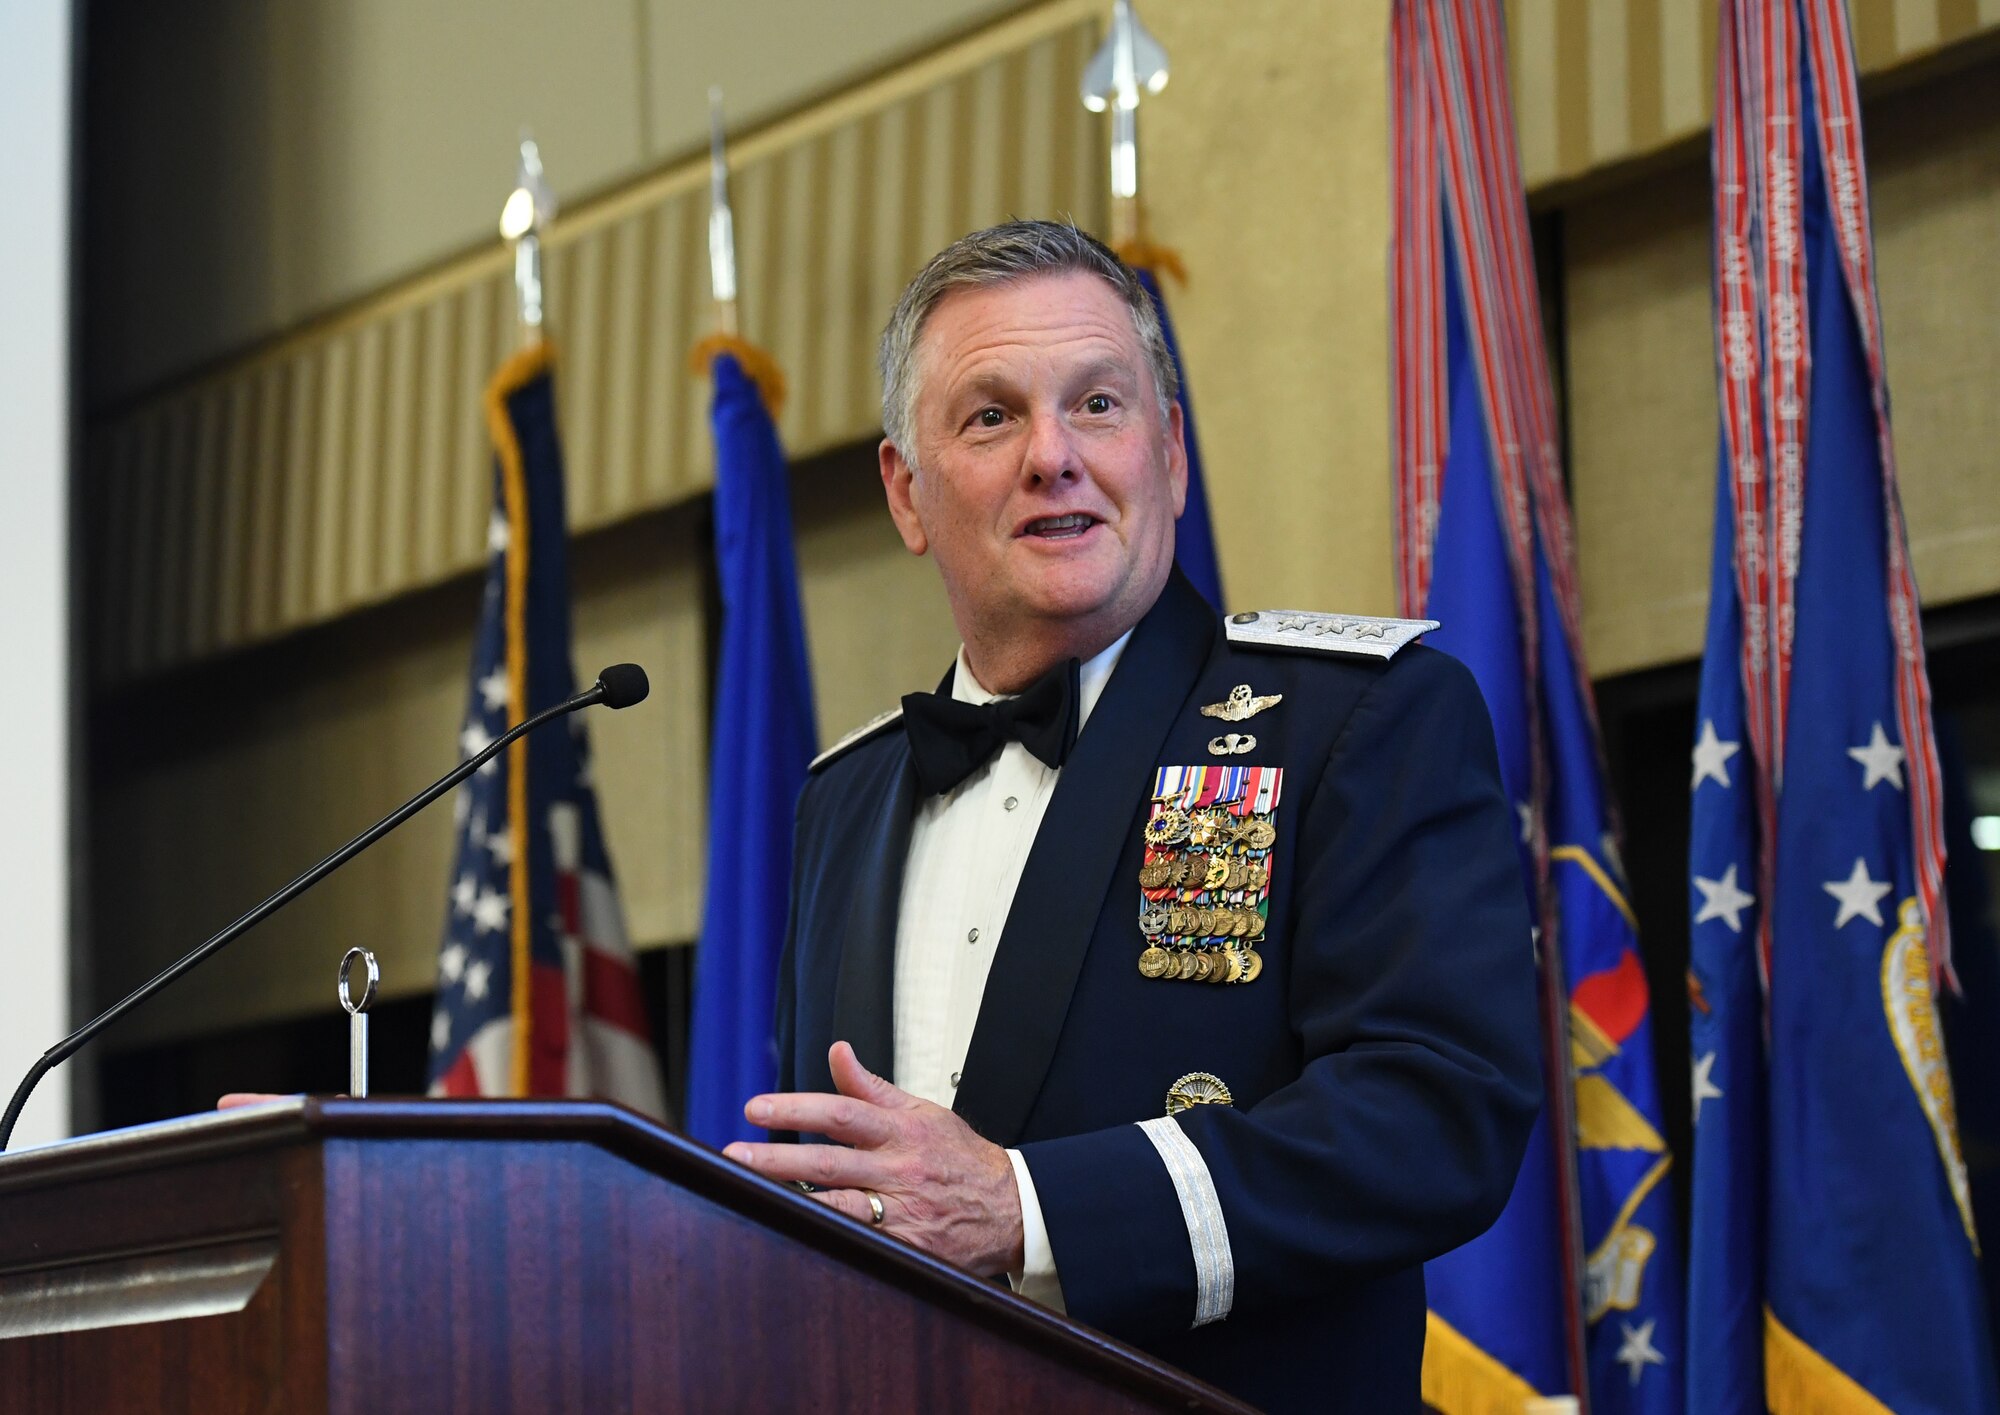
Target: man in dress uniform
[1175, 966]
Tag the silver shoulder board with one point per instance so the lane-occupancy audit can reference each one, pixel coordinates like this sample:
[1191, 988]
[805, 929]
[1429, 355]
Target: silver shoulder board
[1362, 634]
[873, 727]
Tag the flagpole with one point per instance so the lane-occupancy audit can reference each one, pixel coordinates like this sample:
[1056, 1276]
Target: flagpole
[727, 336]
[530, 207]
[1129, 64]
[1130, 61]
[721, 221]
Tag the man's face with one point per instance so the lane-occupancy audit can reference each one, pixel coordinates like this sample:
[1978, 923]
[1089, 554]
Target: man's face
[1045, 480]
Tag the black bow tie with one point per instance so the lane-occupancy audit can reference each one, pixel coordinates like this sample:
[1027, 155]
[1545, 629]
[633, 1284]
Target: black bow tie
[949, 740]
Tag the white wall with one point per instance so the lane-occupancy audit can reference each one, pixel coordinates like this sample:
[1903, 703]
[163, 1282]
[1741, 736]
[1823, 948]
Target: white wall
[34, 588]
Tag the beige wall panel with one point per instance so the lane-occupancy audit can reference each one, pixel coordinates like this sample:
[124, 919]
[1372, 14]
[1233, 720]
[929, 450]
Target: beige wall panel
[769, 55]
[1934, 163]
[877, 625]
[1642, 418]
[1643, 411]
[396, 459]
[299, 746]
[1266, 166]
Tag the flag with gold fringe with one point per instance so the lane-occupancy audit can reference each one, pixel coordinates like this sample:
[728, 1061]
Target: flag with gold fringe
[537, 990]
[1832, 1246]
[1576, 1290]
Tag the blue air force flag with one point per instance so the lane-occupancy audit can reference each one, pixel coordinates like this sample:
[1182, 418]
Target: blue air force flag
[763, 741]
[1832, 1246]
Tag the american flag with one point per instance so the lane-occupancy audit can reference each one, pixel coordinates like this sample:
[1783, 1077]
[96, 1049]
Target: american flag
[537, 992]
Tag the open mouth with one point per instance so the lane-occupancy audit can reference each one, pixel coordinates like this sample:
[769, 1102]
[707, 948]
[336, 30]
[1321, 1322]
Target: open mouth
[1059, 527]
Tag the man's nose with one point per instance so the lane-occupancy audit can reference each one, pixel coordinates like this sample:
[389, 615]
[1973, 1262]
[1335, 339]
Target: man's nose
[1051, 456]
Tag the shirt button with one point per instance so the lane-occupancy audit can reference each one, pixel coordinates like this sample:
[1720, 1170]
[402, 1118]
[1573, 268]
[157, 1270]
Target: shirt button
[1011, 802]
[954, 1079]
[971, 936]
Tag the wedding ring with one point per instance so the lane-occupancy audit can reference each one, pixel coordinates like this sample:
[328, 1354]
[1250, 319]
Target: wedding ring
[874, 1207]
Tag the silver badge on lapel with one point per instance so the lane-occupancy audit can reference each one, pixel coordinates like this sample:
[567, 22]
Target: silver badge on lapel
[1241, 704]
[1233, 744]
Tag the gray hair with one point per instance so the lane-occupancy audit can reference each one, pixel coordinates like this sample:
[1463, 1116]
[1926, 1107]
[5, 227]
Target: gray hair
[1014, 250]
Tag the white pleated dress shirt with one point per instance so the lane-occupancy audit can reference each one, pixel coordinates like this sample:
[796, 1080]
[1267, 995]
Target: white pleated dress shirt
[967, 850]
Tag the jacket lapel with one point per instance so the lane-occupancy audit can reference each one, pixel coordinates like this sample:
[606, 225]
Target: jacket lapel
[1069, 871]
[863, 997]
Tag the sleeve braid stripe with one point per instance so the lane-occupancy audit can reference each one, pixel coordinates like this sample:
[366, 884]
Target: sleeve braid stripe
[1201, 1210]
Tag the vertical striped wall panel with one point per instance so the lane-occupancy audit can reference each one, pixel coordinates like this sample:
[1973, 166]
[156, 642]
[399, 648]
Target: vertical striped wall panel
[348, 463]
[1599, 81]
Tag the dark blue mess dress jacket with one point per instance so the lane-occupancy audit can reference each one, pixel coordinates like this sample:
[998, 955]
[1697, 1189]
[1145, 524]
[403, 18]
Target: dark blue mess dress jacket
[1383, 1068]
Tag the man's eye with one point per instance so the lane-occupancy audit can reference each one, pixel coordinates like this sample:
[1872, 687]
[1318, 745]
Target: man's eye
[1097, 403]
[989, 417]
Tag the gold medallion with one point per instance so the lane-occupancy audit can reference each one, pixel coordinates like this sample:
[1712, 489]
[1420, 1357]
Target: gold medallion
[1253, 964]
[1197, 1088]
[1169, 827]
[1154, 962]
[1256, 929]
[1156, 875]
[1218, 871]
[1259, 834]
[1188, 964]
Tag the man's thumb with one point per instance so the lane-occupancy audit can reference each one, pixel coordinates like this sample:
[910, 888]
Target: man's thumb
[851, 1078]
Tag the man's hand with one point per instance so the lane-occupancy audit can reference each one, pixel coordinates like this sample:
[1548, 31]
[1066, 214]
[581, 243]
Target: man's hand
[943, 1188]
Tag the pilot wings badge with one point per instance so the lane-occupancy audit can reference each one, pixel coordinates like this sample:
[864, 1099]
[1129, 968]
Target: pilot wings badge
[1240, 705]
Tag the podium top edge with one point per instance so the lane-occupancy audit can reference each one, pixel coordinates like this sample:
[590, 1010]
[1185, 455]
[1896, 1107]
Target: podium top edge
[209, 1132]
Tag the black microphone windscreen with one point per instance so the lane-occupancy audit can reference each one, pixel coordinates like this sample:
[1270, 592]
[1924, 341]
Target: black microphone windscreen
[624, 684]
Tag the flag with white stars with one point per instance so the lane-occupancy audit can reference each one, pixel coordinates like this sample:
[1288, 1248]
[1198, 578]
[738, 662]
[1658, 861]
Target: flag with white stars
[1576, 1289]
[537, 991]
[1832, 1251]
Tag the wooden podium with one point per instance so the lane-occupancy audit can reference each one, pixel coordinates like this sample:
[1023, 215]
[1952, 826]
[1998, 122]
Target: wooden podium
[429, 1256]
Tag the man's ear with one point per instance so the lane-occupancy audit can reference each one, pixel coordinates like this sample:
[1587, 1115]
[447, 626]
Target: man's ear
[1177, 463]
[897, 476]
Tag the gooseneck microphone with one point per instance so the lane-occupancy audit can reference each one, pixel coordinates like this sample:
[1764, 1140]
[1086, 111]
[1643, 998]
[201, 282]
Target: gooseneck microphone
[619, 686]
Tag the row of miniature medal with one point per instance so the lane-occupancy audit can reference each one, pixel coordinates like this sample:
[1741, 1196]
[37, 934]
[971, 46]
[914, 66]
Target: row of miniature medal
[1206, 874]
